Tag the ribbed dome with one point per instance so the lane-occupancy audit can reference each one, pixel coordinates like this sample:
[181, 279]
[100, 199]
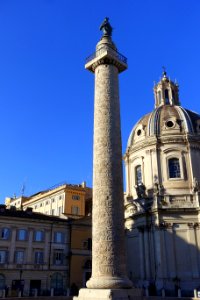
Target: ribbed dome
[165, 120]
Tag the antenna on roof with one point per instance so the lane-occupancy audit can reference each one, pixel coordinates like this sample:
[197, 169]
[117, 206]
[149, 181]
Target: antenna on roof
[23, 189]
[22, 194]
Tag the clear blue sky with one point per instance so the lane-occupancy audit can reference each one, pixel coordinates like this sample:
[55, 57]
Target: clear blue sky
[46, 96]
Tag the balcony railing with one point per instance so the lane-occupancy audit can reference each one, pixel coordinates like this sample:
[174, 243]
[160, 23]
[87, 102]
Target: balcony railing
[115, 53]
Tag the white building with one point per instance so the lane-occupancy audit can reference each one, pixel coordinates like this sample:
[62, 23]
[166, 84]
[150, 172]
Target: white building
[162, 164]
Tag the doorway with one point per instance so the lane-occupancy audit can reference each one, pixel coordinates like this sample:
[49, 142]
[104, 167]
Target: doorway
[35, 285]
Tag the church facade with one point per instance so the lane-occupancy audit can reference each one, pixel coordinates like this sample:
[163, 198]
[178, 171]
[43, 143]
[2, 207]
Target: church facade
[162, 217]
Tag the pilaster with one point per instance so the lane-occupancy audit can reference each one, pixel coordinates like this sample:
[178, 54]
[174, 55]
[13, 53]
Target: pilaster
[30, 246]
[170, 254]
[13, 243]
[193, 249]
[141, 249]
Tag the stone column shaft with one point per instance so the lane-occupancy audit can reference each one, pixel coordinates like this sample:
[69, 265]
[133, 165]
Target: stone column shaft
[108, 241]
[108, 253]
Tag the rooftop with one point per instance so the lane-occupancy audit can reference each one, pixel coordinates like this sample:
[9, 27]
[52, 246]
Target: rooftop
[27, 214]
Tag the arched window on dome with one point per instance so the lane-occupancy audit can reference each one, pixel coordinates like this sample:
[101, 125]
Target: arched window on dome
[167, 96]
[138, 175]
[174, 168]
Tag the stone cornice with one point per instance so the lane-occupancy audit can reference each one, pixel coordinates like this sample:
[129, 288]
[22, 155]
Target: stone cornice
[160, 211]
[193, 142]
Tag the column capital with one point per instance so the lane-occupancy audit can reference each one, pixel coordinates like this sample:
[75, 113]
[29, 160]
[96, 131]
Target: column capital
[106, 53]
[190, 225]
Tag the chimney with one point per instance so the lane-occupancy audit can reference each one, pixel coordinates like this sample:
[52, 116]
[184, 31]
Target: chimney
[83, 184]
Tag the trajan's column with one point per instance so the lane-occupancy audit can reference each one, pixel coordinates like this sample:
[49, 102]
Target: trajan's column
[109, 279]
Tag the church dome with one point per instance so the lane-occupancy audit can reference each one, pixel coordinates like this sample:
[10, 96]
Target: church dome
[163, 147]
[168, 118]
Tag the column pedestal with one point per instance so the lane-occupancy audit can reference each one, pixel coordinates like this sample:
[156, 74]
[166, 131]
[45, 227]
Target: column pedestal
[109, 294]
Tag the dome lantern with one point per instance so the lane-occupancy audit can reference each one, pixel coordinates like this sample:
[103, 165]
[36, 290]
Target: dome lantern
[166, 92]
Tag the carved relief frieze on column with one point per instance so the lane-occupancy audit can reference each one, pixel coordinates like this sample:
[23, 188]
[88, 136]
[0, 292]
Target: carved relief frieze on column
[108, 239]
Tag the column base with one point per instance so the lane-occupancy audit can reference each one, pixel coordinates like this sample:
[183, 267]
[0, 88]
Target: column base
[109, 294]
[109, 282]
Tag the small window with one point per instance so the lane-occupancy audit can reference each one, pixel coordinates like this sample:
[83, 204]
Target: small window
[58, 257]
[47, 202]
[40, 204]
[170, 124]
[53, 200]
[174, 168]
[38, 236]
[138, 175]
[75, 210]
[3, 256]
[167, 96]
[60, 197]
[39, 257]
[59, 237]
[22, 235]
[60, 210]
[87, 244]
[5, 233]
[75, 197]
[19, 257]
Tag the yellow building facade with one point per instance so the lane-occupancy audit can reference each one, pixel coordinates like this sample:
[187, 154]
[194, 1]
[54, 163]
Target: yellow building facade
[81, 252]
[65, 200]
